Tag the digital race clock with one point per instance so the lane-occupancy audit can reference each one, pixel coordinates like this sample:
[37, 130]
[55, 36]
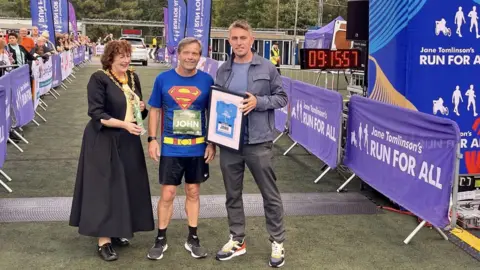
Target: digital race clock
[329, 59]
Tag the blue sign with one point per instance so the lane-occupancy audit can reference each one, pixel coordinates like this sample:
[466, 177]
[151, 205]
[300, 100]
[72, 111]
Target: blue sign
[406, 155]
[60, 16]
[198, 22]
[177, 15]
[425, 56]
[42, 17]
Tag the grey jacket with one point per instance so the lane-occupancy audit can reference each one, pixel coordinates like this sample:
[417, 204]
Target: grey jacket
[265, 83]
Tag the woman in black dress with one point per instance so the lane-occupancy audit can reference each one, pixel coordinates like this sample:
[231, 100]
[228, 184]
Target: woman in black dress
[112, 199]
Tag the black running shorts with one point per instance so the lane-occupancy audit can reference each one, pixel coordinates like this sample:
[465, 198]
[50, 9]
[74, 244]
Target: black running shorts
[173, 169]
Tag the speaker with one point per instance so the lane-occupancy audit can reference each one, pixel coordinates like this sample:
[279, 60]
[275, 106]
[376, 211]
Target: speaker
[357, 19]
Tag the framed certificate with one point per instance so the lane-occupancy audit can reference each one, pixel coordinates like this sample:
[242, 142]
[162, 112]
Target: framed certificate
[226, 126]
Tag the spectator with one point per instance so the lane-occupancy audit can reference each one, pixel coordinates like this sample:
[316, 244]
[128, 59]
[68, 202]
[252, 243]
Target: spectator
[48, 43]
[26, 41]
[19, 54]
[41, 49]
[35, 34]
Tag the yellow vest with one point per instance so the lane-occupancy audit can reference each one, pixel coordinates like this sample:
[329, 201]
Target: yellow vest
[274, 56]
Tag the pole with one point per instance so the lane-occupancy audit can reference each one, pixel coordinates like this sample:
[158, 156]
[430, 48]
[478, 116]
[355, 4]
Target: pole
[320, 13]
[294, 43]
[278, 12]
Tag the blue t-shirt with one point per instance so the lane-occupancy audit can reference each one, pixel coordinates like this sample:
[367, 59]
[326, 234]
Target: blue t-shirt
[181, 97]
[239, 84]
[226, 113]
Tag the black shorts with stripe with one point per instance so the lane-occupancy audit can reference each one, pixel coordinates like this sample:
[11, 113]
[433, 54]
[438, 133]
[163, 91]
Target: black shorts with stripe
[173, 169]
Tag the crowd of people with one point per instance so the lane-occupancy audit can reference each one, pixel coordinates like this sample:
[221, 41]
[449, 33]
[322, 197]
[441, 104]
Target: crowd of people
[17, 49]
[112, 200]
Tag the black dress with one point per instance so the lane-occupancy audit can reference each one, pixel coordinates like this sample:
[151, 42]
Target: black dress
[112, 193]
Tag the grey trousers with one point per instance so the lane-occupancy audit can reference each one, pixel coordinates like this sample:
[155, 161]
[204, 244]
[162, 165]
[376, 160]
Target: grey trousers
[259, 159]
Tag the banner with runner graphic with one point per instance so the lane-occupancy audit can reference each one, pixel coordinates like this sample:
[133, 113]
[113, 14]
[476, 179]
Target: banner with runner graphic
[42, 17]
[412, 161]
[435, 68]
[198, 22]
[60, 15]
[316, 120]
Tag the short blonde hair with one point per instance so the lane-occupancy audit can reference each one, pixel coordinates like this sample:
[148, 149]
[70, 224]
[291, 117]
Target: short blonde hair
[240, 24]
[186, 41]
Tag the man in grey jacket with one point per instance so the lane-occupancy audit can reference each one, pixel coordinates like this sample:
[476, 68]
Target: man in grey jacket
[256, 77]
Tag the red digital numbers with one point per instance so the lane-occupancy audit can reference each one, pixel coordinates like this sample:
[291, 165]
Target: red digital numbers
[316, 59]
[328, 59]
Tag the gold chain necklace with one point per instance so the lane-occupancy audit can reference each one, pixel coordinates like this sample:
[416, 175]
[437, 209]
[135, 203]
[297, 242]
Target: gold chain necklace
[130, 93]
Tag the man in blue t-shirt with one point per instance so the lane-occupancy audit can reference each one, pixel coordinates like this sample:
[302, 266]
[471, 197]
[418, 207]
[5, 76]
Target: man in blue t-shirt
[181, 97]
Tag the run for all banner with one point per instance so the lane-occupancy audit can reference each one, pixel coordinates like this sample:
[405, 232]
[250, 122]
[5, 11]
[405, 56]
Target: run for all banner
[21, 96]
[3, 125]
[281, 115]
[177, 15]
[437, 62]
[198, 22]
[42, 17]
[60, 15]
[408, 156]
[316, 120]
[42, 79]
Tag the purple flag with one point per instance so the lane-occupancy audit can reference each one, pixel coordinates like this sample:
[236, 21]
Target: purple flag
[165, 25]
[316, 120]
[282, 114]
[177, 15]
[72, 19]
[3, 125]
[42, 17]
[22, 104]
[198, 22]
[406, 155]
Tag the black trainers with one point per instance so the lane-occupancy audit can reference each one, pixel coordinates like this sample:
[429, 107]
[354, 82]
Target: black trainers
[160, 246]
[193, 246]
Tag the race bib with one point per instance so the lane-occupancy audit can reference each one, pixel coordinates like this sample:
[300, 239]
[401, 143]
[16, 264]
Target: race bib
[187, 122]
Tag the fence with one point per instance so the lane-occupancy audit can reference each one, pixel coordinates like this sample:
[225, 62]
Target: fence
[410, 157]
[21, 91]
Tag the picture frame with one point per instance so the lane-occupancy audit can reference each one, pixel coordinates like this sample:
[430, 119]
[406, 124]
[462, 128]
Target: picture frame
[226, 122]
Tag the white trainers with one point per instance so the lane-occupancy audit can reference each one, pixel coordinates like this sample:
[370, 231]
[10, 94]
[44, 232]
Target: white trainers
[277, 259]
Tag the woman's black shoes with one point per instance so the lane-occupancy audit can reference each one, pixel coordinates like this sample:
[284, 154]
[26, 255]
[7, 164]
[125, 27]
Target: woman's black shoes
[107, 253]
[121, 242]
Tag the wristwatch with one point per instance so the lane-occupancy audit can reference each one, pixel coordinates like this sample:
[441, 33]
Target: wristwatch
[150, 138]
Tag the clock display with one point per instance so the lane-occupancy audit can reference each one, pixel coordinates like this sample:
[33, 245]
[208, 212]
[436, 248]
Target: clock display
[329, 59]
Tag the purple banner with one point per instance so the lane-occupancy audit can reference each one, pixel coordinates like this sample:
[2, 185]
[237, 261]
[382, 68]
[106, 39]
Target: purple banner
[198, 22]
[22, 103]
[316, 120]
[78, 55]
[72, 19]
[282, 114]
[406, 155]
[165, 25]
[5, 83]
[3, 125]
[211, 67]
[177, 15]
[160, 55]
[42, 17]
[60, 15]
[56, 70]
